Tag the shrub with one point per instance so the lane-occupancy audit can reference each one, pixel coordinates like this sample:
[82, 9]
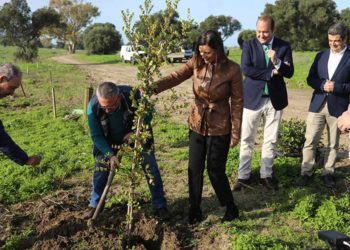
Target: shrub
[102, 39]
[291, 137]
[253, 241]
[306, 207]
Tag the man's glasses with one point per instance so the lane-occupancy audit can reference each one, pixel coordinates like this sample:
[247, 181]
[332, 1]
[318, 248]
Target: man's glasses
[115, 105]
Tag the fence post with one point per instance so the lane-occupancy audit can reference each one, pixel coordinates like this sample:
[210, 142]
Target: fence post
[53, 96]
[87, 97]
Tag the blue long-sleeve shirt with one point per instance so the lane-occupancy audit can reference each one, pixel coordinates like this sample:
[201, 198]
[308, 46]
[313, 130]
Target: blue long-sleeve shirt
[10, 148]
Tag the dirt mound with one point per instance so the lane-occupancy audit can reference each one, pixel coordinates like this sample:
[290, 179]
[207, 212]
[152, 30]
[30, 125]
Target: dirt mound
[55, 222]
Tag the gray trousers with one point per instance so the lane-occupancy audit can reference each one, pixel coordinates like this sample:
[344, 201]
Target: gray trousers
[315, 124]
[250, 123]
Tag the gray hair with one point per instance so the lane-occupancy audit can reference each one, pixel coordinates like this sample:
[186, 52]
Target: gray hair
[338, 29]
[107, 90]
[10, 70]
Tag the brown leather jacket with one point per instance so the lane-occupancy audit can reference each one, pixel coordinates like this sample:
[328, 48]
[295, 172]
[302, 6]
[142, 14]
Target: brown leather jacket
[218, 102]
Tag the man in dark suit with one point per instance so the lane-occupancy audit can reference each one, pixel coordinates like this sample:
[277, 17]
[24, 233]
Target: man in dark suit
[266, 60]
[329, 76]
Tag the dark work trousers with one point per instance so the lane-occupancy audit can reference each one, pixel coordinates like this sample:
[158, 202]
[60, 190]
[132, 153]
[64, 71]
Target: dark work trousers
[214, 151]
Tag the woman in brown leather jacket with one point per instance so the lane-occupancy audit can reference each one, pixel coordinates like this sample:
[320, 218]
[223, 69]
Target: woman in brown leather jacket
[214, 121]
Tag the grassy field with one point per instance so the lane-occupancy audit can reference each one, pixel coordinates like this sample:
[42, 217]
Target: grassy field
[64, 144]
[286, 219]
[111, 59]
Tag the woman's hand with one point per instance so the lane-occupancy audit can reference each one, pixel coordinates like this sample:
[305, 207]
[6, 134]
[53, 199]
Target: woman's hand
[234, 142]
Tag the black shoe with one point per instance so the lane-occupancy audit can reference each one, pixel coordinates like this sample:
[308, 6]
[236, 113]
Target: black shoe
[269, 183]
[163, 213]
[240, 183]
[230, 214]
[304, 181]
[195, 216]
[328, 181]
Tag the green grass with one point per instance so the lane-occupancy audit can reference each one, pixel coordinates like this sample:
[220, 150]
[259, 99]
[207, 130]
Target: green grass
[101, 59]
[64, 144]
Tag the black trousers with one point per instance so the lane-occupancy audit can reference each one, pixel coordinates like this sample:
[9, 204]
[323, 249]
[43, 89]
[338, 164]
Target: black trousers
[212, 150]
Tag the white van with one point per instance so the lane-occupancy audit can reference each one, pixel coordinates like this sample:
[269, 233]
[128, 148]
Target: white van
[128, 55]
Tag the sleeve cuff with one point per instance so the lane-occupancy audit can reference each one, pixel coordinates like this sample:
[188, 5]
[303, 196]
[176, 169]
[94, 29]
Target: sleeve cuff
[278, 64]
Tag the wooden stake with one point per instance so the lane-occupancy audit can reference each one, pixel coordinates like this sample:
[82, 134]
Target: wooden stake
[24, 93]
[87, 97]
[53, 97]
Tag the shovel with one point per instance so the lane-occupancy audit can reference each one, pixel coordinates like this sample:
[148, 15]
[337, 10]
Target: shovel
[100, 204]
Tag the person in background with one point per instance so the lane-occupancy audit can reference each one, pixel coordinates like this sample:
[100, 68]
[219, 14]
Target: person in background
[110, 119]
[266, 61]
[329, 76]
[214, 121]
[10, 80]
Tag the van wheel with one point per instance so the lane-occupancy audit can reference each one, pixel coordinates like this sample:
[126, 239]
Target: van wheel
[123, 60]
[132, 61]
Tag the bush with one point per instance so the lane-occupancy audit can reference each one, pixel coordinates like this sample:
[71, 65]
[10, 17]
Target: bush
[291, 137]
[102, 39]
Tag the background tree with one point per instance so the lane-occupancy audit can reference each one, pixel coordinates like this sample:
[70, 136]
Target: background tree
[176, 25]
[21, 29]
[102, 38]
[303, 23]
[74, 16]
[227, 25]
[345, 17]
[244, 36]
[45, 18]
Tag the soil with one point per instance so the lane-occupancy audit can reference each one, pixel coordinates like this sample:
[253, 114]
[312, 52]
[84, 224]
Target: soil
[56, 221]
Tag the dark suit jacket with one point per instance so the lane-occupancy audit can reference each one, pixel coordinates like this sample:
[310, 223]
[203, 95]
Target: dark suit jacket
[256, 73]
[338, 100]
[10, 148]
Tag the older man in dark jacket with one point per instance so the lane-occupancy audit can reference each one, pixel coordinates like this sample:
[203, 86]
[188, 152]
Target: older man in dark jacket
[10, 80]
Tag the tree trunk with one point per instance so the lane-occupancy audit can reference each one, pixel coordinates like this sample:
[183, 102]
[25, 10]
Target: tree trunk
[71, 48]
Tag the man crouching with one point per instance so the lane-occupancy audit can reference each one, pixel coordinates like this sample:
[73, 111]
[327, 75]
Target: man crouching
[110, 118]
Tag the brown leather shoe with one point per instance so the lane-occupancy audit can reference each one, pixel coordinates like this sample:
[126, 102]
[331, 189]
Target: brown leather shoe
[240, 183]
[269, 183]
[88, 213]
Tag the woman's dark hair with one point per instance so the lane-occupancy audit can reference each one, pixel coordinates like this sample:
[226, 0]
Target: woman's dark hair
[213, 39]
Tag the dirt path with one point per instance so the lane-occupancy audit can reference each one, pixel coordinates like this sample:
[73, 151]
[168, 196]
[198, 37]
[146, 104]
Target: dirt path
[298, 99]
[125, 73]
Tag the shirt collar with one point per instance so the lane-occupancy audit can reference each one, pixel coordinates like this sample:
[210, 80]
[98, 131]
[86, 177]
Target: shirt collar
[341, 52]
[270, 42]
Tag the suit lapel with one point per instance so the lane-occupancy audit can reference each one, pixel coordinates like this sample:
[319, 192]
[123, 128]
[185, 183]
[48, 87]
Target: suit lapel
[342, 62]
[260, 52]
[324, 63]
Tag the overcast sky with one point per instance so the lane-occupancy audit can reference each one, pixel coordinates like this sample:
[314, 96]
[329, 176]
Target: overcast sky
[245, 11]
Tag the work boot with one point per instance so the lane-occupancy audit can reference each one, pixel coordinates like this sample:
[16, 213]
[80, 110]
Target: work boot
[230, 214]
[88, 213]
[240, 184]
[163, 213]
[91, 210]
[328, 181]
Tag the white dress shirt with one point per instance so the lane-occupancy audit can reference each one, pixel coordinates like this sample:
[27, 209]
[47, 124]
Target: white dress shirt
[333, 61]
